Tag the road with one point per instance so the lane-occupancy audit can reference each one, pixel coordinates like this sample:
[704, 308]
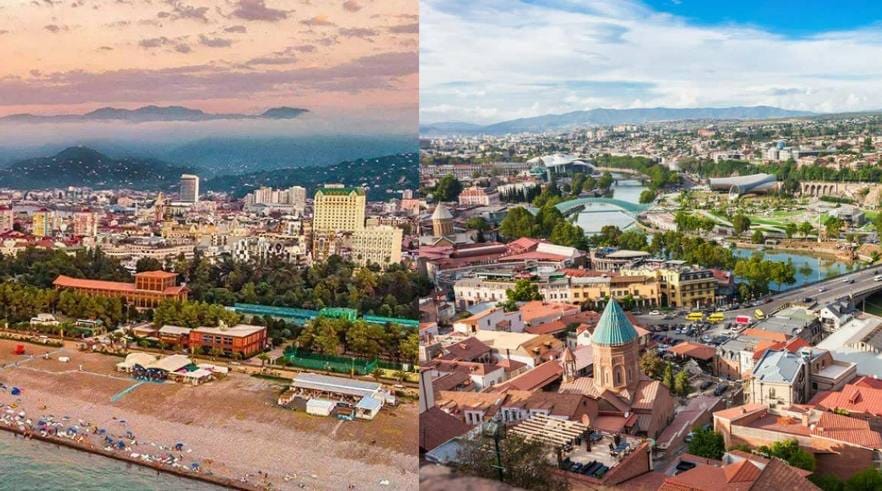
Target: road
[858, 284]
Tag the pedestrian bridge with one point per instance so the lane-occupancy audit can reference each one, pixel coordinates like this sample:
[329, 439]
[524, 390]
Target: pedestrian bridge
[574, 205]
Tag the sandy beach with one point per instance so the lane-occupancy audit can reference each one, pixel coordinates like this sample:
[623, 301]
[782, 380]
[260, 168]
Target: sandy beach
[230, 427]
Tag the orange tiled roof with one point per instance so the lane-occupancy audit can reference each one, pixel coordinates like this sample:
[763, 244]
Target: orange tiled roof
[70, 282]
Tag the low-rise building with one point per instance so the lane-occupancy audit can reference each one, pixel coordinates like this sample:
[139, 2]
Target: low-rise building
[242, 339]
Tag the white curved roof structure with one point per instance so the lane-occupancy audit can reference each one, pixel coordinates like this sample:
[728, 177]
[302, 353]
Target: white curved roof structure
[753, 183]
[558, 160]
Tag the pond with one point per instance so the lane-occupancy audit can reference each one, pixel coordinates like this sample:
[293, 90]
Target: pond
[808, 268]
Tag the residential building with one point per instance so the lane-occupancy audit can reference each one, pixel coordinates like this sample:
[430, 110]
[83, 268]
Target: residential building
[842, 445]
[189, 188]
[338, 209]
[478, 196]
[242, 339]
[380, 244]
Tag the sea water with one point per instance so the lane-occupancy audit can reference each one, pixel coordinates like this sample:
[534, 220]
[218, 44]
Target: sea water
[35, 465]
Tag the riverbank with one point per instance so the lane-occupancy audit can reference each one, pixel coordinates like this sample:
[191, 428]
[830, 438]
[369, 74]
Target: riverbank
[231, 427]
[823, 250]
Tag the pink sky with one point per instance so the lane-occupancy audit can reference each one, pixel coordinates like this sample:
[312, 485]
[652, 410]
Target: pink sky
[331, 56]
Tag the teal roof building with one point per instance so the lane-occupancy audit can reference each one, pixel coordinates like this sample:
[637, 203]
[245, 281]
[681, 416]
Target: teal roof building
[614, 328]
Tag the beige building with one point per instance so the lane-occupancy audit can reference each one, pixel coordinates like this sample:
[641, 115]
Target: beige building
[338, 209]
[680, 286]
[85, 223]
[43, 223]
[379, 244]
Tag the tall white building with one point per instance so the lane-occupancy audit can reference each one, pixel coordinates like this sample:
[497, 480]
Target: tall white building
[189, 188]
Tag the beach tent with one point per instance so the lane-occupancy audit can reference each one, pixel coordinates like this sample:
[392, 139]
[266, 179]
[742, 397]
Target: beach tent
[16, 391]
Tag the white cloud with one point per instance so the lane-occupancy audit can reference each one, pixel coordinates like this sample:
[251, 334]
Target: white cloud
[493, 60]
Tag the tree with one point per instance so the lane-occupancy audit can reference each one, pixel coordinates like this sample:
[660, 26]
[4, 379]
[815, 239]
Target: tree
[477, 223]
[668, 376]
[789, 451]
[606, 181]
[652, 365]
[681, 383]
[647, 196]
[447, 188]
[790, 229]
[866, 480]
[524, 464]
[832, 226]
[805, 228]
[758, 237]
[523, 291]
[518, 222]
[147, 264]
[740, 223]
[707, 443]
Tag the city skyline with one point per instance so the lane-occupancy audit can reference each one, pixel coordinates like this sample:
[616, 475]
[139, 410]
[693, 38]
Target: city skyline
[545, 57]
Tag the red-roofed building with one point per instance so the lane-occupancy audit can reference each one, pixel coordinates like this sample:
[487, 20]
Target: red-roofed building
[739, 471]
[858, 401]
[149, 289]
[841, 445]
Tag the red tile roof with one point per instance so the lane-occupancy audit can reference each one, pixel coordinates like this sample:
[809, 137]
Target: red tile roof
[852, 397]
[70, 282]
[694, 350]
[438, 427]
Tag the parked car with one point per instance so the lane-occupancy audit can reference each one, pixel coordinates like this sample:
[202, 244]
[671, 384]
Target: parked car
[654, 312]
[706, 384]
[721, 389]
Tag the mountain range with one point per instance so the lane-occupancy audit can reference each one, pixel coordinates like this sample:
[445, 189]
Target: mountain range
[608, 117]
[84, 166]
[79, 166]
[152, 113]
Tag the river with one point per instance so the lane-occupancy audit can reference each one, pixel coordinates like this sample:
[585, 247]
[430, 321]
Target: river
[34, 465]
[808, 268]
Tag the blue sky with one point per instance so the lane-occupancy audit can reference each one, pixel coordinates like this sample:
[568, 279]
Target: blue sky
[491, 60]
[786, 17]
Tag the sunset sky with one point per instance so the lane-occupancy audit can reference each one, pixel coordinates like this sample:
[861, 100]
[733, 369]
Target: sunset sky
[341, 57]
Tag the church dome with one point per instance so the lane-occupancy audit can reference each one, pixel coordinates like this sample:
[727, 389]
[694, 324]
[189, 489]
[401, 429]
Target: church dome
[441, 213]
[614, 328]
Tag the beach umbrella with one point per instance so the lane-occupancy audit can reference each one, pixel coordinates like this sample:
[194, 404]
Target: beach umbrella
[120, 444]
[16, 391]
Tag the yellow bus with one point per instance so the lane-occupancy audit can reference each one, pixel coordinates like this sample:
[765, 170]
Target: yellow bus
[716, 317]
[759, 314]
[695, 316]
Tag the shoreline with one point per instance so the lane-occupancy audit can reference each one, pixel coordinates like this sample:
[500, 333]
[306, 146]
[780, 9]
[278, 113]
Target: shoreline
[69, 443]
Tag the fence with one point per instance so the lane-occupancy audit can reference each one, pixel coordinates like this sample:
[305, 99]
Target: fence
[329, 363]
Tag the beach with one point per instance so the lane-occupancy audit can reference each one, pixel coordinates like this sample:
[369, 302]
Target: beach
[230, 428]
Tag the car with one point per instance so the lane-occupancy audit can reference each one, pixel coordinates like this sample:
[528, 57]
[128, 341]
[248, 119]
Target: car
[808, 299]
[721, 388]
[851, 282]
[705, 338]
[654, 312]
[706, 384]
[822, 289]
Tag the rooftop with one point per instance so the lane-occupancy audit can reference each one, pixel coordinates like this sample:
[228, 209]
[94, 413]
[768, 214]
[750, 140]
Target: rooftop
[614, 328]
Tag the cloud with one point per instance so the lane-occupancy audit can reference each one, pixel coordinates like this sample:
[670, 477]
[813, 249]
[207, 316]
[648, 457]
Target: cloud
[411, 28]
[357, 32]
[317, 21]
[236, 29]
[552, 56]
[180, 10]
[272, 60]
[159, 42]
[199, 82]
[55, 28]
[257, 10]
[351, 6]
[215, 42]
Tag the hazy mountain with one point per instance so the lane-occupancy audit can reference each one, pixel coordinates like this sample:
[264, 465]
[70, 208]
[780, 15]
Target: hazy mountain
[152, 114]
[607, 117]
[383, 176]
[83, 166]
[219, 156]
